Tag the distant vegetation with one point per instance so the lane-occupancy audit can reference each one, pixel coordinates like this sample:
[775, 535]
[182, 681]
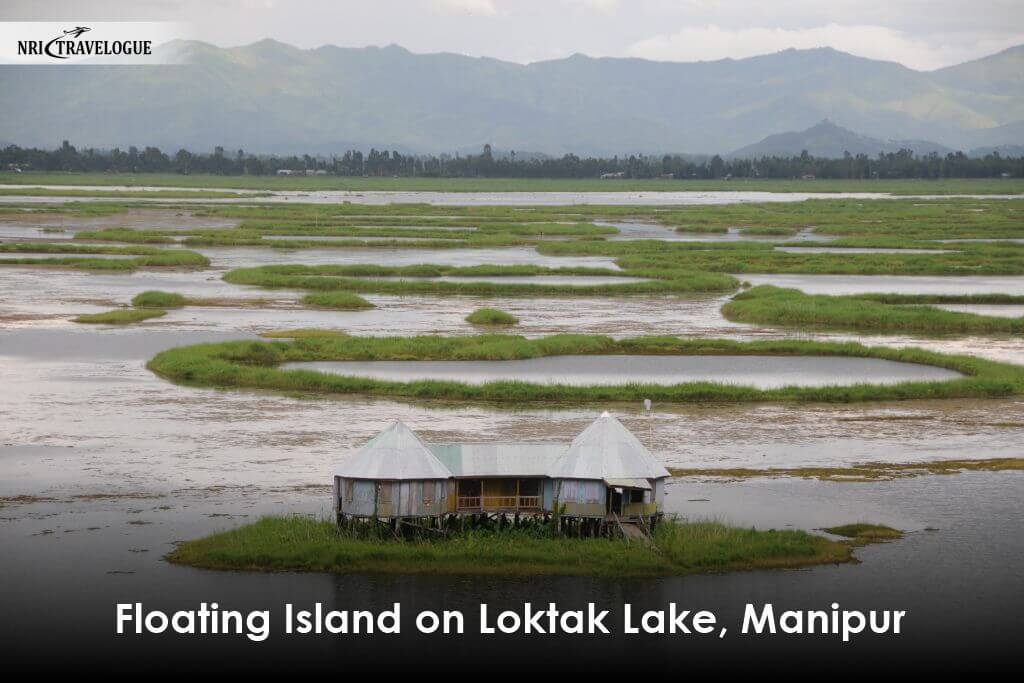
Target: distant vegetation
[303, 544]
[890, 165]
[768, 305]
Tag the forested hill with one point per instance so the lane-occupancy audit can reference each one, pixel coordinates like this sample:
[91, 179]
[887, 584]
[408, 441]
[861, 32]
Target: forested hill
[271, 97]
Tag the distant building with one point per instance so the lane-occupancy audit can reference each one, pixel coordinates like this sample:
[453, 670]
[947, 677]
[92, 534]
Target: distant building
[604, 477]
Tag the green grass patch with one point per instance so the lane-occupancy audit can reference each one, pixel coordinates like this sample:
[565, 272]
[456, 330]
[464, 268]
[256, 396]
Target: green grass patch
[758, 257]
[90, 257]
[865, 532]
[491, 316]
[864, 472]
[253, 365]
[415, 280]
[303, 544]
[121, 316]
[339, 301]
[769, 305]
[157, 299]
[302, 333]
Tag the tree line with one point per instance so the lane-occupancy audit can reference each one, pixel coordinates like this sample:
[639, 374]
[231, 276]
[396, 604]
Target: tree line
[901, 164]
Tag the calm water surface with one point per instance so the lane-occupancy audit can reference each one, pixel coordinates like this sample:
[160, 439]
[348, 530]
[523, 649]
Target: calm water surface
[763, 372]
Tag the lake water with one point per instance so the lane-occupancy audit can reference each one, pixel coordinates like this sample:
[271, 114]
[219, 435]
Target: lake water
[764, 372]
[635, 230]
[859, 250]
[240, 257]
[897, 284]
[998, 310]
[104, 466]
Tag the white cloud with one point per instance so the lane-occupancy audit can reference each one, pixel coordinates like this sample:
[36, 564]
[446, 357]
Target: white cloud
[876, 42]
[478, 7]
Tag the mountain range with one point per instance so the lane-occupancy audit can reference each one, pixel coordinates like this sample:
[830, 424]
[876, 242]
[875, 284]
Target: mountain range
[272, 97]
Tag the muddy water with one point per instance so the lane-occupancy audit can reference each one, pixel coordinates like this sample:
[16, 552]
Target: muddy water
[763, 372]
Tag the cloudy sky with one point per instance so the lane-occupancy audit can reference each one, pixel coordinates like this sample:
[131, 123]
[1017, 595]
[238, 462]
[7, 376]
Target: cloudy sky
[922, 34]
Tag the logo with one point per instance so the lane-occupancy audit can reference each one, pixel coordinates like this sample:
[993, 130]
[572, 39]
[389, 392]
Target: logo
[71, 44]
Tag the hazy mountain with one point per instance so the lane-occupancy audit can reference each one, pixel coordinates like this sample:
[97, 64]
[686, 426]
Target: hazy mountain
[826, 139]
[1002, 150]
[269, 96]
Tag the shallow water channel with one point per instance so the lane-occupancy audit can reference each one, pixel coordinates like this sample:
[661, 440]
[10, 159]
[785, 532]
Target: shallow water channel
[763, 372]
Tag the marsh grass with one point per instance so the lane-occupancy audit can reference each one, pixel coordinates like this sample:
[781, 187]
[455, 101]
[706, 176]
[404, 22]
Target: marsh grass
[415, 280]
[491, 317]
[304, 544]
[253, 365]
[862, 532]
[769, 305]
[90, 257]
[338, 301]
[865, 472]
[157, 299]
[121, 316]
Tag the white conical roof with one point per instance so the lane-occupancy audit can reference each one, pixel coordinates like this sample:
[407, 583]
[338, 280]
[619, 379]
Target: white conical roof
[395, 453]
[607, 450]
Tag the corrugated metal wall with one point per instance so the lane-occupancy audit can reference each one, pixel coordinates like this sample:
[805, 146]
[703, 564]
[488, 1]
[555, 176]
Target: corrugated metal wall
[416, 498]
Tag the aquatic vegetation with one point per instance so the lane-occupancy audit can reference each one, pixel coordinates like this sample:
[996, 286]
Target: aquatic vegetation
[90, 257]
[365, 279]
[757, 257]
[339, 301]
[158, 299]
[121, 316]
[253, 365]
[679, 547]
[301, 333]
[865, 532]
[126, 235]
[491, 316]
[864, 472]
[769, 305]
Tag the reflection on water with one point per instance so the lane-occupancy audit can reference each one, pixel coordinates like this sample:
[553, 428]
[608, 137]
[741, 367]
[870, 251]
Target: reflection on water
[764, 372]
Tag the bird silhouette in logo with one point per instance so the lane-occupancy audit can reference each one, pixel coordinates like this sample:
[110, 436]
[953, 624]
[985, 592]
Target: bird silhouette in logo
[75, 32]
